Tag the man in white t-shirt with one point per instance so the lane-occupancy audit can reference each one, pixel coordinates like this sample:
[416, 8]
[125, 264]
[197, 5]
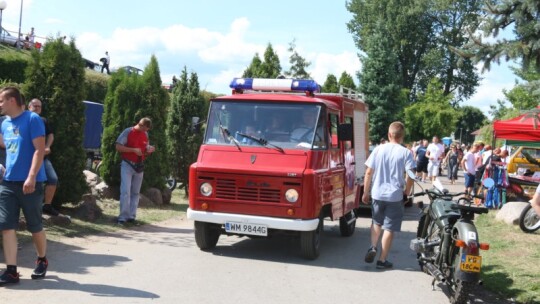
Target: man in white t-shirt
[385, 182]
[435, 153]
[469, 164]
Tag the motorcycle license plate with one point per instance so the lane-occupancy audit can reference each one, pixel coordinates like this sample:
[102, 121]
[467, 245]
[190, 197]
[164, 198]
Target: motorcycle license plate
[470, 263]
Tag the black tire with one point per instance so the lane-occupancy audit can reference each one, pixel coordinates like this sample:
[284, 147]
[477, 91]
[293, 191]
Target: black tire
[171, 182]
[310, 242]
[529, 221]
[206, 235]
[344, 228]
[459, 290]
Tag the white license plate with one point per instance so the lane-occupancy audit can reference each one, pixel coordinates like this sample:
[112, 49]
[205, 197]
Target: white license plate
[246, 228]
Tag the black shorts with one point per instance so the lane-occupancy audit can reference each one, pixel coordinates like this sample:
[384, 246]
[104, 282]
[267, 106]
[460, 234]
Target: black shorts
[421, 167]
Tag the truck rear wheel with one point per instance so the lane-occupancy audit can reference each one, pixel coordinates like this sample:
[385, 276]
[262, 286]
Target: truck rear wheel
[206, 235]
[310, 242]
[344, 228]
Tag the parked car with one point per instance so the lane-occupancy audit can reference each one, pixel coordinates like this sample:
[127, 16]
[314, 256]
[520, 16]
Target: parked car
[7, 38]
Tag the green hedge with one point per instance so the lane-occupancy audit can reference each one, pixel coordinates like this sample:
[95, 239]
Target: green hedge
[12, 66]
[96, 86]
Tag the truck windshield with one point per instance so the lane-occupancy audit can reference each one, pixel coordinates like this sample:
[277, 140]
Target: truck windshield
[287, 126]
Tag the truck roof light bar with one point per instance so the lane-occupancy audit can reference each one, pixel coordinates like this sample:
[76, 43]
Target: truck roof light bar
[263, 84]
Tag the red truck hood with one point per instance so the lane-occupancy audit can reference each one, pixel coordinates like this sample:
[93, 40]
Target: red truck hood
[252, 160]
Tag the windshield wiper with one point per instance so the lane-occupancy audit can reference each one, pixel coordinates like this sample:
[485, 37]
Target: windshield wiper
[227, 134]
[261, 141]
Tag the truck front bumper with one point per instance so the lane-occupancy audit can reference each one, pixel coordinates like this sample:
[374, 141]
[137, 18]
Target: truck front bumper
[270, 222]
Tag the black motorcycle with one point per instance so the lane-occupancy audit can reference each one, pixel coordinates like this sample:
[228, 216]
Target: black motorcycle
[447, 241]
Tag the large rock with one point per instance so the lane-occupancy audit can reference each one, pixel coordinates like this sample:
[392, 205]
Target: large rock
[166, 195]
[92, 179]
[105, 191]
[154, 195]
[88, 209]
[145, 201]
[510, 212]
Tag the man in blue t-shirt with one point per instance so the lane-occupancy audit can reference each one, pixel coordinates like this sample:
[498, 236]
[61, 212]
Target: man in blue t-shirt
[421, 160]
[23, 135]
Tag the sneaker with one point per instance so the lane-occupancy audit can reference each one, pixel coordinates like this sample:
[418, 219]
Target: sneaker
[384, 265]
[370, 255]
[41, 269]
[9, 278]
[48, 209]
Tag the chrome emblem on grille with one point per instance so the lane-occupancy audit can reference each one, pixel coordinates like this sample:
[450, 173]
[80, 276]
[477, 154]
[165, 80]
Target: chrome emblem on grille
[253, 158]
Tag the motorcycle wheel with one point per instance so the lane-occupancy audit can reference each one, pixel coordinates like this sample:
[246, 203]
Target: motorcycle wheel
[459, 290]
[432, 233]
[529, 221]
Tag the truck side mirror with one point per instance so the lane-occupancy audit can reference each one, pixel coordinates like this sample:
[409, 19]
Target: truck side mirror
[195, 124]
[345, 132]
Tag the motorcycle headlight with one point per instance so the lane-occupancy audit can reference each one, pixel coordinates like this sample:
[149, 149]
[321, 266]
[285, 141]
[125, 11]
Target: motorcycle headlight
[291, 195]
[206, 189]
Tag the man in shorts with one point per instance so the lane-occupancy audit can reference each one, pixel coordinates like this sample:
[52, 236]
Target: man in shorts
[23, 134]
[469, 163]
[385, 182]
[422, 161]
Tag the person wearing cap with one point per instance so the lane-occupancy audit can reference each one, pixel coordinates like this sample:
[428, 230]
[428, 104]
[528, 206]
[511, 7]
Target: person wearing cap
[134, 147]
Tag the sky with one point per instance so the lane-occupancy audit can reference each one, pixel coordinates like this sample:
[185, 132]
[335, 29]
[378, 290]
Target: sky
[216, 39]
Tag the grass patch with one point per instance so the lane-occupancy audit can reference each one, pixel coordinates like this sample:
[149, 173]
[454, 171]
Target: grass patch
[511, 267]
[107, 222]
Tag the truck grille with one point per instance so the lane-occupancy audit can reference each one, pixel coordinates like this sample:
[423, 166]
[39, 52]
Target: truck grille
[227, 189]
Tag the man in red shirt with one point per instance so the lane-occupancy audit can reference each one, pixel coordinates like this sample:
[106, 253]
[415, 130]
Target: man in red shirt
[134, 147]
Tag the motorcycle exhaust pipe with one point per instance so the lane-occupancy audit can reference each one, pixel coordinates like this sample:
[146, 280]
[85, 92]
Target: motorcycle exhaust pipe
[436, 273]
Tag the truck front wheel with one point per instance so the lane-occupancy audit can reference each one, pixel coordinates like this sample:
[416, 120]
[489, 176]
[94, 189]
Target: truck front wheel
[310, 242]
[206, 235]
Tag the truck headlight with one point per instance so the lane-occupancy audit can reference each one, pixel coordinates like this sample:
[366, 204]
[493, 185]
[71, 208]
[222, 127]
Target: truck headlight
[206, 189]
[291, 195]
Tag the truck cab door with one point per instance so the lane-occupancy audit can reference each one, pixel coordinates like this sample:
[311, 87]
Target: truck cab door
[347, 149]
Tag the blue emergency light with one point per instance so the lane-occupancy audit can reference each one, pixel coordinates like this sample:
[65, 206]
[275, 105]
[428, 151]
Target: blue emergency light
[263, 84]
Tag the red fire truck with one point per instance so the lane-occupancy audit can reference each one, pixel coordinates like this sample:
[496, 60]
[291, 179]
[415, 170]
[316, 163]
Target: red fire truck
[279, 156]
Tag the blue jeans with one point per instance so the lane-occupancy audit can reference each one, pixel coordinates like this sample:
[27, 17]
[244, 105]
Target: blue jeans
[130, 186]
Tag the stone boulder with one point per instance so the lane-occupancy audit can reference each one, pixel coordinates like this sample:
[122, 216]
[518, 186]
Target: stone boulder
[104, 191]
[92, 179]
[166, 196]
[510, 212]
[88, 209]
[154, 195]
[145, 201]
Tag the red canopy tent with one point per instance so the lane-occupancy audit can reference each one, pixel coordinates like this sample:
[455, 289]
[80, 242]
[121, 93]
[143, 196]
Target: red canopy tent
[524, 128]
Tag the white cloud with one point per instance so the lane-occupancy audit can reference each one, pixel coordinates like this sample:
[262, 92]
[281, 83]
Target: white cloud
[232, 47]
[216, 56]
[324, 64]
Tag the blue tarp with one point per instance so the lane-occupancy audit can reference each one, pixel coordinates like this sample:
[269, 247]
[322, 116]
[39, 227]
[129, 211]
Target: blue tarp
[93, 127]
[447, 140]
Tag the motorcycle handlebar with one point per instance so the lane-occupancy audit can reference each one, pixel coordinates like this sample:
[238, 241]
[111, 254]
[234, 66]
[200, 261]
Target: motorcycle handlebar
[439, 194]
